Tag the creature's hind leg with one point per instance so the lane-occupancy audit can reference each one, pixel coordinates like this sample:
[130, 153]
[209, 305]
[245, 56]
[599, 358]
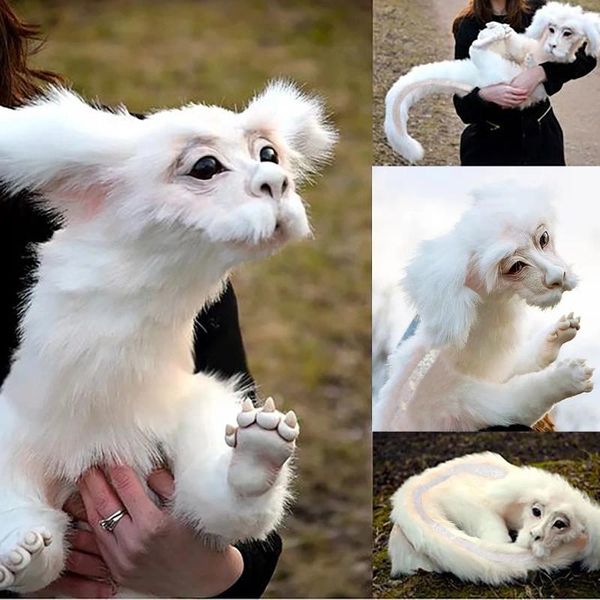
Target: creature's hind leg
[405, 559]
[32, 549]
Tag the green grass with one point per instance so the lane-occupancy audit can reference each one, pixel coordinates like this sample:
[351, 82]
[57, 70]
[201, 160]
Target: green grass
[575, 456]
[306, 313]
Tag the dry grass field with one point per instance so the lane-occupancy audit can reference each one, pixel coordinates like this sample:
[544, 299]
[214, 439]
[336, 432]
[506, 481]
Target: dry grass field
[306, 313]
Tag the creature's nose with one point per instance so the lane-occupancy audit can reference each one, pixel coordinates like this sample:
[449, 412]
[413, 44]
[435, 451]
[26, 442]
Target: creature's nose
[555, 277]
[536, 536]
[271, 180]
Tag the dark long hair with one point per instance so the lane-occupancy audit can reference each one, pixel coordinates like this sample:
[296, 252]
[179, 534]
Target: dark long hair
[516, 10]
[18, 41]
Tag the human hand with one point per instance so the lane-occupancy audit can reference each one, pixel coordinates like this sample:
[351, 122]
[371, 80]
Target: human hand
[149, 551]
[504, 95]
[529, 80]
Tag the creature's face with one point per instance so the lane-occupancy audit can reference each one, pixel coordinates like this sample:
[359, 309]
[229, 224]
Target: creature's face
[548, 526]
[534, 271]
[231, 177]
[563, 39]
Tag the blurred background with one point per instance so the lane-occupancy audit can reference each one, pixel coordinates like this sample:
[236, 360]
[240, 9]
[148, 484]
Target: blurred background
[305, 314]
[396, 457]
[411, 205]
[407, 33]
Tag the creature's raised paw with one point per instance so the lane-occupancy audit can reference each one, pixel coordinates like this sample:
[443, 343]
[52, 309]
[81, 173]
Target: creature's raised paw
[575, 376]
[29, 564]
[561, 332]
[262, 442]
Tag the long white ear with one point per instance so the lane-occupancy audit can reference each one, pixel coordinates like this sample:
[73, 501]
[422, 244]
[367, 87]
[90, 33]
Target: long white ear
[301, 121]
[63, 148]
[435, 281]
[541, 20]
[591, 28]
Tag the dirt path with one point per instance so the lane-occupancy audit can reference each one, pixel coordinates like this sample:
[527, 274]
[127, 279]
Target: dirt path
[435, 119]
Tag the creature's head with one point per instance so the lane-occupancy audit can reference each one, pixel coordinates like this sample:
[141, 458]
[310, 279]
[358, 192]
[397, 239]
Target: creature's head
[551, 526]
[503, 245]
[564, 29]
[200, 173]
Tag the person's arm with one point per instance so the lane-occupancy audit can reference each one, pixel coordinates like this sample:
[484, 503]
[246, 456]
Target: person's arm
[557, 74]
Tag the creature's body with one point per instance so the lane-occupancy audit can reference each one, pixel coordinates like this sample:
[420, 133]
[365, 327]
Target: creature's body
[458, 517]
[156, 214]
[466, 368]
[497, 56]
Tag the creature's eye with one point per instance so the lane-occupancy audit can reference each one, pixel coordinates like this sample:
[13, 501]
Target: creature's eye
[568, 33]
[551, 29]
[516, 268]
[544, 239]
[559, 524]
[206, 168]
[269, 154]
[536, 511]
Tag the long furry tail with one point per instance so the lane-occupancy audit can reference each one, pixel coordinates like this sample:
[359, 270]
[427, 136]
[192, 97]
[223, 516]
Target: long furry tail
[452, 76]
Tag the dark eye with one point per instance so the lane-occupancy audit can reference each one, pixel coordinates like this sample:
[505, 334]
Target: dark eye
[551, 29]
[544, 239]
[560, 524]
[517, 268]
[536, 511]
[206, 168]
[269, 154]
[568, 33]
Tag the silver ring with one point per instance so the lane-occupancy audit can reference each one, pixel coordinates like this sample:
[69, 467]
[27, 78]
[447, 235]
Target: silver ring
[110, 523]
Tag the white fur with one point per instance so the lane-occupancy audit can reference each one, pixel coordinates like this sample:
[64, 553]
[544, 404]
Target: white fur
[456, 517]
[104, 371]
[497, 56]
[466, 367]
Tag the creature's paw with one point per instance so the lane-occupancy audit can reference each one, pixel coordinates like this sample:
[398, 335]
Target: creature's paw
[575, 376]
[494, 32]
[29, 563]
[563, 331]
[263, 441]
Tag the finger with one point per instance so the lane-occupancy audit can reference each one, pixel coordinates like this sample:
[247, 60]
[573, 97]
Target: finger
[161, 482]
[101, 502]
[74, 586]
[75, 507]
[84, 541]
[132, 493]
[87, 565]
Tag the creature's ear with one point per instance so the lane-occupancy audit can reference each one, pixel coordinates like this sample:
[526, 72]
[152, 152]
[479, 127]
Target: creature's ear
[299, 119]
[436, 282]
[591, 28]
[64, 149]
[541, 20]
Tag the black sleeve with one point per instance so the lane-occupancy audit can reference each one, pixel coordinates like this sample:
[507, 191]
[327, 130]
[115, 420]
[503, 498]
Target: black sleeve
[260, 560]
[471, 108]
[557, 74]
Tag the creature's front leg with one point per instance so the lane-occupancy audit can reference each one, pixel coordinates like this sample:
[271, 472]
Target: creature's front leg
[232, 480]
[544, 348]
[526, 398]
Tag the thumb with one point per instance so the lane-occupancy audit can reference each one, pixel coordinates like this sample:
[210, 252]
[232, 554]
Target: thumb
[161, 482]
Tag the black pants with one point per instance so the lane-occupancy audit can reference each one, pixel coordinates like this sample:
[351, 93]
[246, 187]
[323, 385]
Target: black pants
[529, 137]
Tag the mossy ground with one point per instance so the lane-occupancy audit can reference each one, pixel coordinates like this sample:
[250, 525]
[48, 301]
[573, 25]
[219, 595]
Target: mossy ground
[575, 456]
[306, 313]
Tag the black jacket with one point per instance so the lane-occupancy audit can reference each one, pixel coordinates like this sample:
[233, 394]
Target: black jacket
[513, 137]
[218, 347]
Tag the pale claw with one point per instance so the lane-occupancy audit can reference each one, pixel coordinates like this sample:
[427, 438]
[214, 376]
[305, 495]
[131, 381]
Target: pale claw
[268, 417]
[288, 427]
[6, 578]
[230, 435]
[248, 414]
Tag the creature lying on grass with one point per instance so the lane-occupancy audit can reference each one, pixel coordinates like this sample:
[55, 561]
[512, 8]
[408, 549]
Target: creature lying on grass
[468, 367]
[497, 56]
[458, 518]
[157, 212]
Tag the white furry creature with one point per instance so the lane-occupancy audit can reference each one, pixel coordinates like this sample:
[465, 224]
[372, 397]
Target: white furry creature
[458, 517]
[466, 367]
[157, 212]
[499, 54]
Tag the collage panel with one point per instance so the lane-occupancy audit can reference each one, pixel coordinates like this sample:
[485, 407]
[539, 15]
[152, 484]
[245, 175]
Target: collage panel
[490, 515]
[485, 82]
[485, 283]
